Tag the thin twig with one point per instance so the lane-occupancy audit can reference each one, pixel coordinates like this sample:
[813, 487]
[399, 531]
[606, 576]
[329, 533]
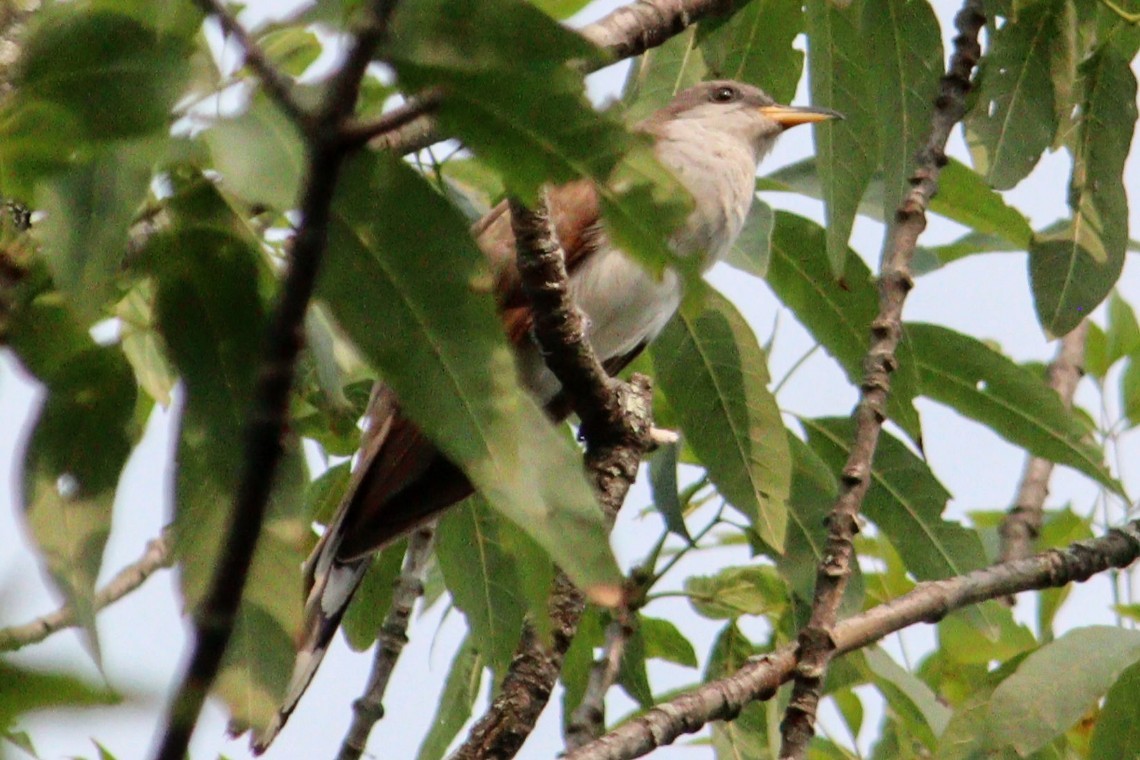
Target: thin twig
[816, 639]
[276, 84]
[360, 132]
[265, 427]
[616, 423]
[1022, 524]
[156, 557]
[628, 31]
[928, 602]
[588, 721]
[393, 636]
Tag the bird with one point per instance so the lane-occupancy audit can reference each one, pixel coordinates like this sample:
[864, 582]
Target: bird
[711, 136]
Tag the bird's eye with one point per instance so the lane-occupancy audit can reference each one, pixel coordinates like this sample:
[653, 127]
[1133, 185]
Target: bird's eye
[725, 94]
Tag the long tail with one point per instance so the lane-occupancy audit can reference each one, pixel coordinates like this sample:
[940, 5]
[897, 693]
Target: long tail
[334, 583]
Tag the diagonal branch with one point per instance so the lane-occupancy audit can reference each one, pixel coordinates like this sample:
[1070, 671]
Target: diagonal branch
[369, 708]
[928, 602]
[616, 424]
[276, 84]
[588, 721]
[817, 638]
[1022, 524]
[266, 424]
[156, 557]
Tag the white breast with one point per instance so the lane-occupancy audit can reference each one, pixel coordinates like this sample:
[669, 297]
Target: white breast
[624, 304]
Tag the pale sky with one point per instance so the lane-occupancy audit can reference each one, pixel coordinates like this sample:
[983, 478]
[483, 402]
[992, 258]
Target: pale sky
[143, 636]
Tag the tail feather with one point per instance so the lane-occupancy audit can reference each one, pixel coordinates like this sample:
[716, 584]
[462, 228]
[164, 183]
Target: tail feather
[327, 602]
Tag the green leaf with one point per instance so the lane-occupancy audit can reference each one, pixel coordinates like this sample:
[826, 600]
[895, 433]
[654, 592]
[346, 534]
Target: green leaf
[1054, 686]
[81, 441]
[488, 580]
[23, 691]
[663, 485]
[715, 375]
[259, 154]
[460, 690]
[837, 314]
[1123, 332]
[905, 500]
[1014, 118]
[118, 77]
[963, 197]
[661, 72]
[1117, 732]
[908, 697]
[846, 151]
[966, 643]
[559, 9]
[579, 659]
[1130, 390]
[814, 489]
[905, 56]
[736, 591]
[754, 45]
[1096, 352]
[632, 675]
[663, 641]
[292, 49]
[212, 319]
[1072, 272]
[36, 139]
[746, 736]
[443, 351]
[89, 210]
[142, 345]
[753, 247]
[984, 385]
[373, 600]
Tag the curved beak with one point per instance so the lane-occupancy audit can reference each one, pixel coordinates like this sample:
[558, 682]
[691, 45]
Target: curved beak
[790, 116]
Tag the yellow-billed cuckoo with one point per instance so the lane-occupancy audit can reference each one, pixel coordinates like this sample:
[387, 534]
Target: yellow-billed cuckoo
[711, 137]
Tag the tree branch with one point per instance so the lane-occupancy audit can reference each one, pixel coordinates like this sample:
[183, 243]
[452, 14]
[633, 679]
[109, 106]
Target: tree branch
[588, 721]
[616, 423]
[816, 639]
[276, 84]
[624, 33]
[393, 636]
[928, 602]
[1022, 524]
[265, 426]
[156, 557]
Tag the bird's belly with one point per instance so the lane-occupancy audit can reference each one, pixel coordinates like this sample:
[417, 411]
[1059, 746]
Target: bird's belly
[625, 306]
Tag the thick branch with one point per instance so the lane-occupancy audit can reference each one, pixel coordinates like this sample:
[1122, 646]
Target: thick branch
[393, 636]
[1023, 522]
[816, 639]
[928, 602]
[624, 33]
[265, 427]
[616, 424]
[276, 84]
[156, 557]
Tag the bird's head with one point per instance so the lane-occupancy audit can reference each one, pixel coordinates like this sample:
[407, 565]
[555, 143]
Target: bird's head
[736, 109]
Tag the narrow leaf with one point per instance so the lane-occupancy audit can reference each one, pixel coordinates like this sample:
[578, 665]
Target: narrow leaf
[1072, 272]
[1117, 732]
[118, 78]
[981, 384]
[1014, 118]
[838, 314]
[905, 56]
[754, 45]
[846, 151]
[715, 375]
[906, 501]
[1054, 686]
[443, 351]
[460, 690]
